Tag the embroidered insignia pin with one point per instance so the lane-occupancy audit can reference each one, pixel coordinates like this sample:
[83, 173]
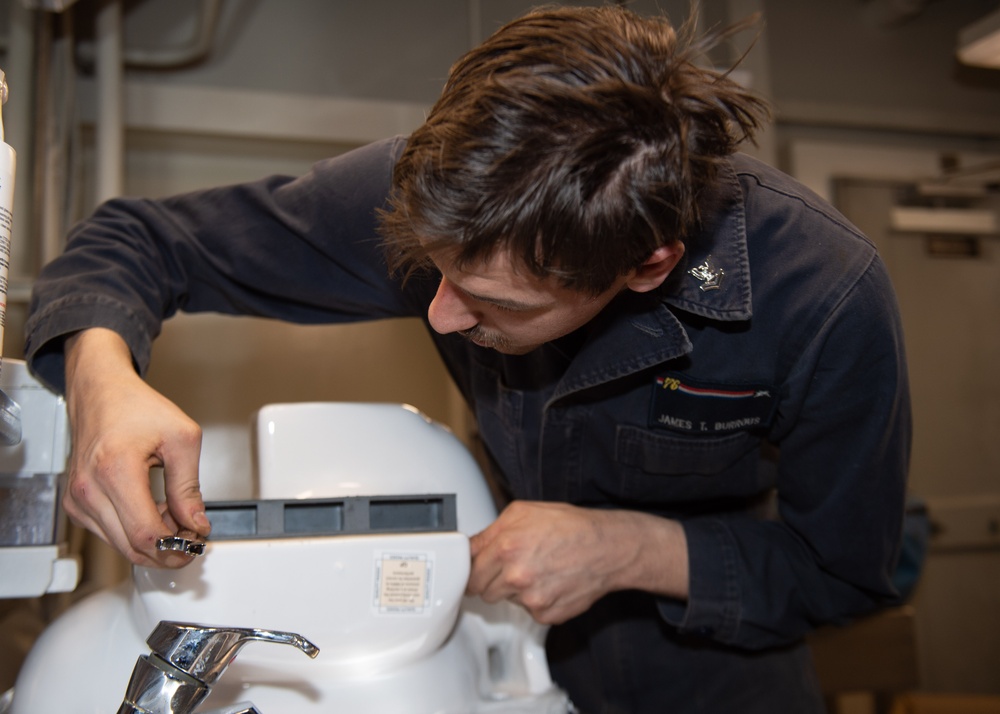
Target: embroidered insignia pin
[709, 274]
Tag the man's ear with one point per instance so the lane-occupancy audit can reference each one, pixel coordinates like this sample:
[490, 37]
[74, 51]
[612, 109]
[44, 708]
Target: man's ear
[651, 274]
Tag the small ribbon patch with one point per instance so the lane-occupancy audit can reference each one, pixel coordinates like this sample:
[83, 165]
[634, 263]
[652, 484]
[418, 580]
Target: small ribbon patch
[694, 407]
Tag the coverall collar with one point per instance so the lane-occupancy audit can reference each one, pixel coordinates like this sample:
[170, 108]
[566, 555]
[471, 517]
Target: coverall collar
[713, 278]
[639, 331]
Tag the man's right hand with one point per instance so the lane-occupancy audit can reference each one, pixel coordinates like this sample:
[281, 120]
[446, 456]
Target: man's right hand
[121, 427]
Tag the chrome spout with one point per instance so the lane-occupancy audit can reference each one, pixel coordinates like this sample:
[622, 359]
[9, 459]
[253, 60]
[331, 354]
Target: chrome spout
[186, 660]
[10, 415]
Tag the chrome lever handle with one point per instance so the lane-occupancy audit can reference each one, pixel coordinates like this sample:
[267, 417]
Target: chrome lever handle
[205, 652]
[186, 660]
[186, 542]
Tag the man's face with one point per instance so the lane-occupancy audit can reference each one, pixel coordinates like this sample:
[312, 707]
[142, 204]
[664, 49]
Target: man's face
[498, 306]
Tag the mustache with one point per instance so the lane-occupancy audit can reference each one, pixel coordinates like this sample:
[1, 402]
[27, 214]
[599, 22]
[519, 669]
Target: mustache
[486, 338]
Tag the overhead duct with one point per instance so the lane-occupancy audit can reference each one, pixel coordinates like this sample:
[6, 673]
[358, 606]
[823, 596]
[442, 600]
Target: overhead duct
[979, 43]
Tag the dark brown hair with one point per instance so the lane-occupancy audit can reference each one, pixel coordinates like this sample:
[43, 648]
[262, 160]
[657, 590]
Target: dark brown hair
[580, 139]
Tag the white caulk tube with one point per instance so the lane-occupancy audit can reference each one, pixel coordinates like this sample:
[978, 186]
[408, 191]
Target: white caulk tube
[10, 411]
[8, 165]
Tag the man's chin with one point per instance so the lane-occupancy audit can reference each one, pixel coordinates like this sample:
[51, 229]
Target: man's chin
[502, 346]
[516, 350]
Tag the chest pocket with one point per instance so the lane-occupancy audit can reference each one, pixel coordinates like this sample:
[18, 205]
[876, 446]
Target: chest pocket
[667, 466]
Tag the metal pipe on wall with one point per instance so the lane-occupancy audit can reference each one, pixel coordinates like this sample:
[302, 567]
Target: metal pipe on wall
[56, 129]
[109, 70]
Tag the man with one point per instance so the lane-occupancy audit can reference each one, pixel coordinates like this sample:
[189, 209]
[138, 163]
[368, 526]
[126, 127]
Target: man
[687, 370]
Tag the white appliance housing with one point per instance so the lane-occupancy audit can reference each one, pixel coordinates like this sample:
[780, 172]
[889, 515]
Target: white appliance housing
[386, 607]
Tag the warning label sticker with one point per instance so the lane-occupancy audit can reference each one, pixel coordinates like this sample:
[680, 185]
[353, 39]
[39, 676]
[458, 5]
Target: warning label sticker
[403, 583]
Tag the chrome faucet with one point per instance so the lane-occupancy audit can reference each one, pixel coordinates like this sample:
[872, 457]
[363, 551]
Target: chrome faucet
[186, 660]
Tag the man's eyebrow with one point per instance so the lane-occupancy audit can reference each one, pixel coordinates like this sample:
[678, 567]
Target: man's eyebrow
[503, 302]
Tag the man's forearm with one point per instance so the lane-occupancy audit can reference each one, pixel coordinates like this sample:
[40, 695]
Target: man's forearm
[92, 351]
[653, 553]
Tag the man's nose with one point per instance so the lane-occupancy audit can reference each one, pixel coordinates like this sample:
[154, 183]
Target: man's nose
[449, 311]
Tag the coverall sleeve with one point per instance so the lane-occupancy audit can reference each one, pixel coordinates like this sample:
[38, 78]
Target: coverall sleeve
[302, 249]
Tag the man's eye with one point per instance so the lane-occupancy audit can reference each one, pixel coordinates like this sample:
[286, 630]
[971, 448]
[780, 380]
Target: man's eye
[503, 308]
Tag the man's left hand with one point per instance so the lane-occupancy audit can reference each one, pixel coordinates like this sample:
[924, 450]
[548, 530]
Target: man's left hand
[556, 560]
